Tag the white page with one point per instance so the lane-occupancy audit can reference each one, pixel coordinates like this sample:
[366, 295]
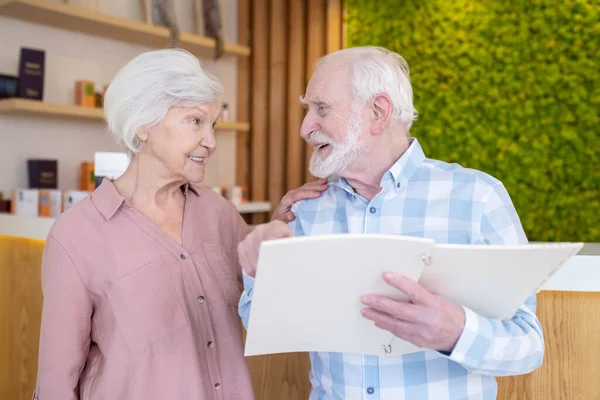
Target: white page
[307, 292]
[493, 280]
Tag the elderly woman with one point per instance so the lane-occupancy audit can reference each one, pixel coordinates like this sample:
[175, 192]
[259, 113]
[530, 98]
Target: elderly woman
[141, 280]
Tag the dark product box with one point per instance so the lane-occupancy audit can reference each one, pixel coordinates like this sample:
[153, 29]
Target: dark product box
[31, 74]
[43, 174]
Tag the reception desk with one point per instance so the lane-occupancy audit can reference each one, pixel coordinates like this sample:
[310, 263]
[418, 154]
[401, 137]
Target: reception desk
[568, 308]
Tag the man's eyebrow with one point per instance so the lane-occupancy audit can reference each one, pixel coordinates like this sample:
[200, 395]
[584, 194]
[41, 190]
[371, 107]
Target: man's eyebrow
[316, 101]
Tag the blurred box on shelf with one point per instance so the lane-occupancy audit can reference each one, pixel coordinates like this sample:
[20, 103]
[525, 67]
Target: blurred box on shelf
[109, 165]
[31, 74]
[85, 94]
[50, 203]
[72, 197]
[9, 86]
[43, 174]
[4, 204]
[87, 176]
[25, 202]
[234, 194]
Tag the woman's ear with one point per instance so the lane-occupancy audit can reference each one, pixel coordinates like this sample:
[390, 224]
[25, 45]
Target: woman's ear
[382, 112]
[142, 134]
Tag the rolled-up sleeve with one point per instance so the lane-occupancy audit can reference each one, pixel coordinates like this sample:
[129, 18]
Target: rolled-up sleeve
[65, 328]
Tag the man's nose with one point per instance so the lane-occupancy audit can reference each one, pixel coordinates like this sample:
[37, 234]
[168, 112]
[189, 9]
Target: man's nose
[308, 126]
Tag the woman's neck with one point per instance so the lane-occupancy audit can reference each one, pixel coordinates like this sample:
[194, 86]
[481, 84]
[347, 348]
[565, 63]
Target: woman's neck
[145, 182]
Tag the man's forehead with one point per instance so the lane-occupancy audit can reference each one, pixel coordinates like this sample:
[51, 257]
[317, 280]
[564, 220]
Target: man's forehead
[325, 90]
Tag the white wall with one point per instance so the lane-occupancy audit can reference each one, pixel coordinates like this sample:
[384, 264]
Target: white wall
[71, 56]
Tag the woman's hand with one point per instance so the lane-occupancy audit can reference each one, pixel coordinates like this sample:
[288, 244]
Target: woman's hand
[310, 190]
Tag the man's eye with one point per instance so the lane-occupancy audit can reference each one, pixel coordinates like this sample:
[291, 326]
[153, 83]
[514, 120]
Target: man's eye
[196, 121]
[322, 110]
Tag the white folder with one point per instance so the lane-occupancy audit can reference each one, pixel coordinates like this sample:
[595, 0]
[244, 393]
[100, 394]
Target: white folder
[307, 290]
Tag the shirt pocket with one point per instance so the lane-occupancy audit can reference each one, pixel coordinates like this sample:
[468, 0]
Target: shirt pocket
[222, 263]
[146, 306]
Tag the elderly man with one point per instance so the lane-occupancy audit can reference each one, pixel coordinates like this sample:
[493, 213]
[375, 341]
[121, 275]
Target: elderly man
[360, 110]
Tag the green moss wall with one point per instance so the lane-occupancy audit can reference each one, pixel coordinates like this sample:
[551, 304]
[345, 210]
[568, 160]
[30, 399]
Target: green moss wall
[511, 88]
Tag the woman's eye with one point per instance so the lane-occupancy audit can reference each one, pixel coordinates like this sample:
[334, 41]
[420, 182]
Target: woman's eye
[196, 121]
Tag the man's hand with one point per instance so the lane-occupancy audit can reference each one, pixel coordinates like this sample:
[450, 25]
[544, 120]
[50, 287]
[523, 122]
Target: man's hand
[427, 320]
[310, 190]
[249, 247]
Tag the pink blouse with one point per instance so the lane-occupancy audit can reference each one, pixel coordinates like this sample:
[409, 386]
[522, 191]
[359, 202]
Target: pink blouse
[130, 314]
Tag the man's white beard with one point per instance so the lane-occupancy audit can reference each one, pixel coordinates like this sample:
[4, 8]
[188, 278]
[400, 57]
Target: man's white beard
[342, 155]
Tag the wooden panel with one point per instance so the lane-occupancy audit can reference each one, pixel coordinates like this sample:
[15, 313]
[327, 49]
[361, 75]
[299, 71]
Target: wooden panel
[316, 28]
[260, 103]
[20, 315]
[65, 16]
[296, 87]
[280, 376]
[571, 370]
[277, 97]
[243, 94]
[334, 25]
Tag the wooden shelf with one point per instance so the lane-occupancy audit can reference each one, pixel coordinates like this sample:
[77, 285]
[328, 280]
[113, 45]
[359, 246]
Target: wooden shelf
[33, 107]
[65, 16]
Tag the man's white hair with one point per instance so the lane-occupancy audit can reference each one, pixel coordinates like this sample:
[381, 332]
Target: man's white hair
[377, 70]
[147, 86]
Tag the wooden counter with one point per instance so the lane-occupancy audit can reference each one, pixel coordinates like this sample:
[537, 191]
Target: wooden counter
[569, 309]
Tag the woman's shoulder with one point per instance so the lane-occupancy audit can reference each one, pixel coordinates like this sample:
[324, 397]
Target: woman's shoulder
[72, 224]
[210, 201]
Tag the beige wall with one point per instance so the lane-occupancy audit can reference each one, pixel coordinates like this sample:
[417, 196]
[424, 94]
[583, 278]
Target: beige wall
[71, 56]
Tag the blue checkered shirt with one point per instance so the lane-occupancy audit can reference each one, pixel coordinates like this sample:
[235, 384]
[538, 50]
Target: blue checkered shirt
[448, 203]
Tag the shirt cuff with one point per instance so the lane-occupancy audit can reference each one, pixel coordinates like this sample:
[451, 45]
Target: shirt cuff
[248, 283]
[474, 341]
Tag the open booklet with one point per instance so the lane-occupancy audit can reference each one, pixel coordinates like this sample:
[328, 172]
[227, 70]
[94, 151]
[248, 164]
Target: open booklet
[307, 290]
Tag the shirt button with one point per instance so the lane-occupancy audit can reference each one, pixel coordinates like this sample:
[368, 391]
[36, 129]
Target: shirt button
[398, 185]
[200, 299]
[370, 390]
[210, 344]
[373, 210]
[184, 256]
[217, 386]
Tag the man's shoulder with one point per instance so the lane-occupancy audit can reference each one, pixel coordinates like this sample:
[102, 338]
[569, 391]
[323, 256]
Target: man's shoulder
[327, 198]
[444, 171]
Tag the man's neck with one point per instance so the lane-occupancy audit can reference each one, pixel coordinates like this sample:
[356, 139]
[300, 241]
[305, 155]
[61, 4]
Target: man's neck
[367, 181]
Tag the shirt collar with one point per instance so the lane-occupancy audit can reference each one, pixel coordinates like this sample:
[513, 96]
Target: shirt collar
[406, 166]
[401, 172]
[107, 199]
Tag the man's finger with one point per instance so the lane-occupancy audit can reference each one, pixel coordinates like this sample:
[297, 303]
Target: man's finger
[415, 292]
[402, 329]
[397, 309]
[289, 216]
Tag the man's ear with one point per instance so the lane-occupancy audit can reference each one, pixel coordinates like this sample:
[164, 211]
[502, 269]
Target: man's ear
[381, 112]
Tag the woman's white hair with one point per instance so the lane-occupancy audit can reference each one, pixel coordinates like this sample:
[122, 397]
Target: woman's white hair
[146, 87]
[377, 70]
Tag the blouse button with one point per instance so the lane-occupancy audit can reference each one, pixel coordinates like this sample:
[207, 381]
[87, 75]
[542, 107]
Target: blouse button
[217, 386]
[184, 256]
[211, 344]
[200, 299]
